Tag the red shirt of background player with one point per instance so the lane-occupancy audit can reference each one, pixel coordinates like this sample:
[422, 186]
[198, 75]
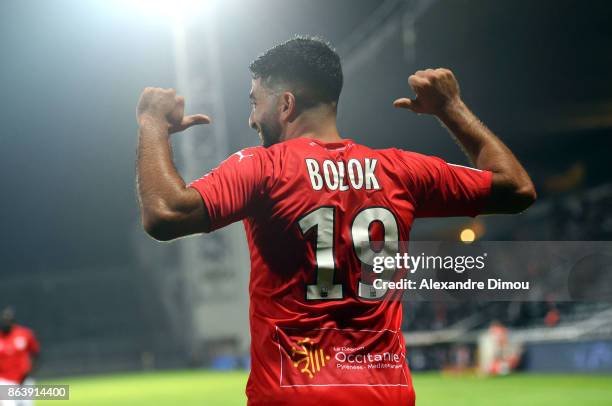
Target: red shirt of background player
[16, 350]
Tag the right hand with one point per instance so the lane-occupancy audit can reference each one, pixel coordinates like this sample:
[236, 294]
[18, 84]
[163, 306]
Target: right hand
[163, 105]
[436, 90]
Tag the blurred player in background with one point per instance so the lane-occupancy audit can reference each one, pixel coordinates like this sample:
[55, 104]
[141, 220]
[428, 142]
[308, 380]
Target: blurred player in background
[19, 351]
[497, 354]
[311, 202]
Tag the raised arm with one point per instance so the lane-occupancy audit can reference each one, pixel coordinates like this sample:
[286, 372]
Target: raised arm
[437, 93]
[168, 208]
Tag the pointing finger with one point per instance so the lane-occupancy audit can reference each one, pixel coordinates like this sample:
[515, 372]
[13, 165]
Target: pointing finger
[406, 103]
[189, 121]
[195, 119]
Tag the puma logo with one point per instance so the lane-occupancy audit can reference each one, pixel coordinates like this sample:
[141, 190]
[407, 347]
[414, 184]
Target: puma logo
[241, 155]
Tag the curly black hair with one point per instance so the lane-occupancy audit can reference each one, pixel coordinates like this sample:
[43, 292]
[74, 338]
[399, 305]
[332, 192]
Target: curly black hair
[307, 66]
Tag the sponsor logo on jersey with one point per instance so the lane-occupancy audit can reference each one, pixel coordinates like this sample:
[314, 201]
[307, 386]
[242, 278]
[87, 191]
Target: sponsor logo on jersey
[308, 358]
[341, 357]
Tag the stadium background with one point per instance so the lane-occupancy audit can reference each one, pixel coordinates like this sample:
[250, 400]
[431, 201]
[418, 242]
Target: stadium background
[105, 299]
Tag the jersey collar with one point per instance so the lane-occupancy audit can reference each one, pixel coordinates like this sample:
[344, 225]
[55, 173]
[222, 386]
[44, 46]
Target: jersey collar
[330, 145]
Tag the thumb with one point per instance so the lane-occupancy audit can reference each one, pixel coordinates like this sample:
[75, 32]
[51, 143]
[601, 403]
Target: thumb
[192, 120]
[195, 119]
[405, 103]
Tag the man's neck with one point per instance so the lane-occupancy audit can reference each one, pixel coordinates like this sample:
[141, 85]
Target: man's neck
[318, 123]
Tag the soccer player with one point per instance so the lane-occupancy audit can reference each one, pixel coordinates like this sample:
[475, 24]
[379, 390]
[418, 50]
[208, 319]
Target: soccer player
[311, 201]
[19, 350]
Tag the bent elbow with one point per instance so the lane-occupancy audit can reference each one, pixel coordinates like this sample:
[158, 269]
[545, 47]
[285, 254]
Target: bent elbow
[524, 197]
[158, 225]
[158, 232]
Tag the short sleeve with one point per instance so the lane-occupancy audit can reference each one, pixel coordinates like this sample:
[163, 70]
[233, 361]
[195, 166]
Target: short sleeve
[441, 189]
[232, 189]
[33, 345]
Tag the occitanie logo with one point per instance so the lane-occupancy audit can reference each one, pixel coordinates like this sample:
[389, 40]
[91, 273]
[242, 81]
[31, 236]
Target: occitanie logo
[308, 358]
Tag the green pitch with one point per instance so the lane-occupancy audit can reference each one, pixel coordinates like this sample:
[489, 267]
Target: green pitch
[219, 388]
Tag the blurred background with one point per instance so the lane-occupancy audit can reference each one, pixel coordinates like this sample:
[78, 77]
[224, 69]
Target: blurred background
[102, 297]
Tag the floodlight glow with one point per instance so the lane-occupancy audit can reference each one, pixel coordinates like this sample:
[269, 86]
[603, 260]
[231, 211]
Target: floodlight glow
[467, 235]
[175, 11]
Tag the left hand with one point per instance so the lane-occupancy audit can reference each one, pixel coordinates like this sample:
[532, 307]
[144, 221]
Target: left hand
[436, 90]
[163, 105]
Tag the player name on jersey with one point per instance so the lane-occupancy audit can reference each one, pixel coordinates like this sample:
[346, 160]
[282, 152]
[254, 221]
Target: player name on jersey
[333, 174]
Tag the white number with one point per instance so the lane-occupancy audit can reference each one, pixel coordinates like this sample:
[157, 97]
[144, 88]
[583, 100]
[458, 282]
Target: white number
[323, 220]
[361, 242]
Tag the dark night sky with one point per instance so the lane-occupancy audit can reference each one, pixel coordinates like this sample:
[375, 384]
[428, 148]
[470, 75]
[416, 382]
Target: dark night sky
[71, 74]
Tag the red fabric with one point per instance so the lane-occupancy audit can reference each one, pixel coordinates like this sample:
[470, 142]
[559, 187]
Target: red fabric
[16, 349]
[309, 351]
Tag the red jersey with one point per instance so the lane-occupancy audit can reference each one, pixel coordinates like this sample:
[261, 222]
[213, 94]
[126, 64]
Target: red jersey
[320, 333]
[16, 348]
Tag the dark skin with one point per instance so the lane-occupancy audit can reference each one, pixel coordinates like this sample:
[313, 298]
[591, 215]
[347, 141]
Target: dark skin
[7, 321]
[171, 210]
